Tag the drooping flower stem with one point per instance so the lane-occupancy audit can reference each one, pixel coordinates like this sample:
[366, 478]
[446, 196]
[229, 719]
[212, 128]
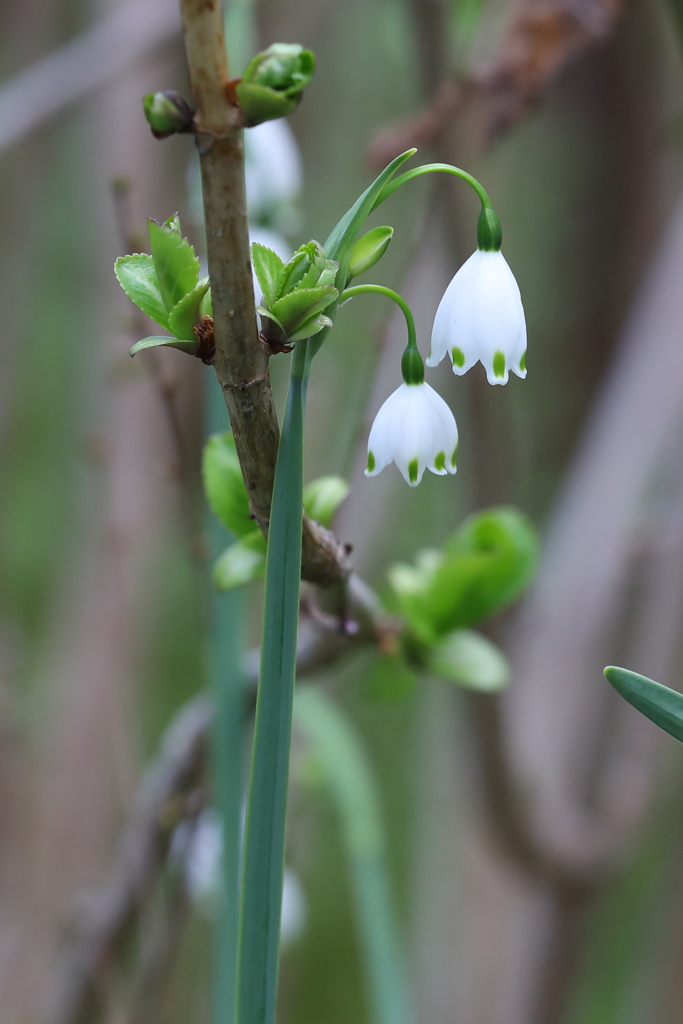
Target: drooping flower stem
[265, 828]
[412, 364]
[489, 233]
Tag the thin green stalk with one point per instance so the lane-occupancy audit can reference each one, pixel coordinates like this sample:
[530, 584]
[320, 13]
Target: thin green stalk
[378, 289]
[417, 172]
[352, 785]
[265, 829]
[227, 687]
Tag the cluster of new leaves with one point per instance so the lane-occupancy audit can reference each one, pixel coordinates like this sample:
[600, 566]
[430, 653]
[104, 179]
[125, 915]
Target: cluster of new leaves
[166, 286]
[244, 561]
[294, 293]
[484, 566]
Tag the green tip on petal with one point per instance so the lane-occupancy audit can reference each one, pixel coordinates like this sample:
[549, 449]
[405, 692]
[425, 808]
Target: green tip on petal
[499, 364]
[454, 456]
[371, 462]
[458, 356]
[412, 471]
[522, 363]
[440, 461]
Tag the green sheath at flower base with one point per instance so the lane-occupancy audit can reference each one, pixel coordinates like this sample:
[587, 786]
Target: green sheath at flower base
[489, 231]
[273, 83]
[167, 113]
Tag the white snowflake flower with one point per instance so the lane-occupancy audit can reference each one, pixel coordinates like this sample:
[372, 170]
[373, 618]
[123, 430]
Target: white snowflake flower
[416, 430]
[480, 318]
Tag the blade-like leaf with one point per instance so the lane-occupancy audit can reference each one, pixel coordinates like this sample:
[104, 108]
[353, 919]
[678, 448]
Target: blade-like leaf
[159, 341]
[224, 485]
[239, 565]
[176, 265]
[295, 309]
[472, 661]
[186, 313]
[138, 278]
[661, 705]
[269, 270]
[322, 497]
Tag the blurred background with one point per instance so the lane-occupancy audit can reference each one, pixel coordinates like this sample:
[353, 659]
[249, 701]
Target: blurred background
[535, 839]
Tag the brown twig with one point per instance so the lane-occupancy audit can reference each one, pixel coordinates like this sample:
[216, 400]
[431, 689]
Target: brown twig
[241, 363]
[541, 41]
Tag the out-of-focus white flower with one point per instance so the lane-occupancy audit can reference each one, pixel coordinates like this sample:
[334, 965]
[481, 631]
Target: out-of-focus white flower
[416, 430]
[273, 173]
[480, 318]
[203, 860]
[293, 916]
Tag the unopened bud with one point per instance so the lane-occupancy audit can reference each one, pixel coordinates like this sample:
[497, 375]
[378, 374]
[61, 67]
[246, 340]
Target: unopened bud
[167, 113]
[273, 82]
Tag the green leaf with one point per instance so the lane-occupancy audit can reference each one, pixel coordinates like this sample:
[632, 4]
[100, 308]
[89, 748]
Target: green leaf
[661, 705]
[369, 249]
[206, 306]
[472, 661]
[322, 498]
[296, 267]
[176, 265]
[240, 564]
[224, 485]
[186, 313]
[294, 309]
[138, 278]
[160, 341]
[310, 327]
[390, 679]
[269, 270]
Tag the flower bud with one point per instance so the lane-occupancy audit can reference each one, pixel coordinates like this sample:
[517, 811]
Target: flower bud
[167, 113]
[273, 82]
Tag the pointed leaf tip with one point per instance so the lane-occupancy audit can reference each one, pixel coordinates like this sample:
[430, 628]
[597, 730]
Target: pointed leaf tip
[660, 704]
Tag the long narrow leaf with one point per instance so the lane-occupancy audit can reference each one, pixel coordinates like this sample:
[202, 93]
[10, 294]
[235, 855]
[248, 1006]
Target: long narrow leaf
[351, 782]
[661, 705]
[265, 829]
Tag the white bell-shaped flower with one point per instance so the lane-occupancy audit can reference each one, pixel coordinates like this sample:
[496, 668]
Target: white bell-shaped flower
[416, 430]
[480, 318]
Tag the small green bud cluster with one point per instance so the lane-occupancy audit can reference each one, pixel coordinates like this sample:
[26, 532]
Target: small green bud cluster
[244, 561]
[273, 83]
[167, 113]
[166, 286]
[294, 293]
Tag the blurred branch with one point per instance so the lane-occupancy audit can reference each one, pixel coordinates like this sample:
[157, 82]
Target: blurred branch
[540, 42]
[240, 362]
[93, 58]
[174, 789]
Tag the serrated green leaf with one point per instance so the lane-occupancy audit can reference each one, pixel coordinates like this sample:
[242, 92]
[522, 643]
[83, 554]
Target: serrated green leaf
[206, 305]
[160, 341]
[295, 267]
[294, 309]
[470, 660]
[138, 278]
[185, 314]
[239, 565]
[322, 498]
[224, 485]
[176, 265]
[269, 270]
[661, 705]
[369, 249]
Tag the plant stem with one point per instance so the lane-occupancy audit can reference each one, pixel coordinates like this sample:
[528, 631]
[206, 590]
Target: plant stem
[378, 289]
[241, 364]
[417, 172]
[265, 828]
[351, 782]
